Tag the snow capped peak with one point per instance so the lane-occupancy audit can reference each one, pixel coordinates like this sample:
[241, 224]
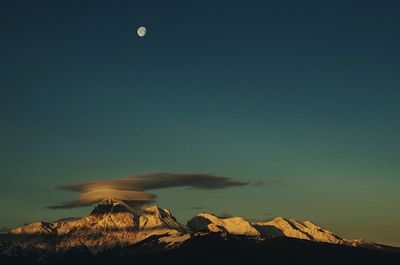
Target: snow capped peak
[109, 201]
[151, 217]
[116, 213]
[111, 223]
[107, 206]
[38, 228]
[205, 222]
[157, 211]
[280, 226]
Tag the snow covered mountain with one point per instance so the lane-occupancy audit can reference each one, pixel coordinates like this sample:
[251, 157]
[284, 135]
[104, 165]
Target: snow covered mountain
[306, 230]
[205, 222]
[115, 225]
[112, 223]
[277, 227]
[296, 229]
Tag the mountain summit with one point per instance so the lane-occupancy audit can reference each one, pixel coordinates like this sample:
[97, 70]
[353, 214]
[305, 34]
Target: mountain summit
[117, 213]
[111, 223]
[108, 206]
[205, 222]
[115, 225]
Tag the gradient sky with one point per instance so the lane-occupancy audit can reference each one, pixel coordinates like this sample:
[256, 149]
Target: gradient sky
[302, 95]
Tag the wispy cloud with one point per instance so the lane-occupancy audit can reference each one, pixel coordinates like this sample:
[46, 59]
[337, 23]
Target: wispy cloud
[134, 189]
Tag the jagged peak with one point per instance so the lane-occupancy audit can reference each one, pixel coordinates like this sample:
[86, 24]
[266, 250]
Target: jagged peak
[156, 211]
[110, 205]
[114, 205]
[108, 201]
[116, 212]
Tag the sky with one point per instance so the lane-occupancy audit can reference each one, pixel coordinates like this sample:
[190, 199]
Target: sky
[298, 98]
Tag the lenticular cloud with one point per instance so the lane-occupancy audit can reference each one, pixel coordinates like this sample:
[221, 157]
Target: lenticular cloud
[133, 190]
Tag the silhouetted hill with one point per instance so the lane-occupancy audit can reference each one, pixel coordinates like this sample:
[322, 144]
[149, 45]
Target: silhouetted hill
[213, 249]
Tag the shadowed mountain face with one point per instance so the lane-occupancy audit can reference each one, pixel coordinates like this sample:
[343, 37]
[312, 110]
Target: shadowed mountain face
[110, 206]
[213, 249]
[115, 233]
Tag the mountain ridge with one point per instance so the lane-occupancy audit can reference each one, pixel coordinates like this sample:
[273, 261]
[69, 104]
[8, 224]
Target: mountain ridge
[112, 224]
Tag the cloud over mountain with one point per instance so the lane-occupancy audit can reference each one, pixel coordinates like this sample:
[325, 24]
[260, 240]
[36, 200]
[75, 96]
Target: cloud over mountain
[133, 189]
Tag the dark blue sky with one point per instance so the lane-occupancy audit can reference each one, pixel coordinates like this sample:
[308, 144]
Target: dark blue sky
[304, 92]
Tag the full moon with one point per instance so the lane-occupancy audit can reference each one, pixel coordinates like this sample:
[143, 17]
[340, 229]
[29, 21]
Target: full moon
[141, 32]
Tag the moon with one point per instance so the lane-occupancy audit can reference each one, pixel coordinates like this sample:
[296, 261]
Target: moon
[141, 31]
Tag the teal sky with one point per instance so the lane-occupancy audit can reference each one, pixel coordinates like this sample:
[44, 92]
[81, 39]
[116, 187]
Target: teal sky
[302, 95]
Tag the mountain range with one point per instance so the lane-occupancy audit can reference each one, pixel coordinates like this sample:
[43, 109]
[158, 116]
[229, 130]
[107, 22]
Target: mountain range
[116, 233]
